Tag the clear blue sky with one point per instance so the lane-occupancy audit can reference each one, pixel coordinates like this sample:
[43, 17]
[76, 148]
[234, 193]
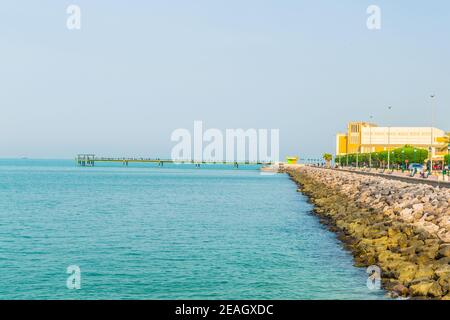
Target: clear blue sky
[137, 70]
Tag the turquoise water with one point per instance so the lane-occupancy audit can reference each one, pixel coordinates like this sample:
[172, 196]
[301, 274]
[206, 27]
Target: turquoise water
[165, 233]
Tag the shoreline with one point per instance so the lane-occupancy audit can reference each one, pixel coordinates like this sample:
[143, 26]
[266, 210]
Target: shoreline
[402, 228]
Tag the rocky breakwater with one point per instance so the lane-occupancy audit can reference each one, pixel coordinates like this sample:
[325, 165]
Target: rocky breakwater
[403, 228]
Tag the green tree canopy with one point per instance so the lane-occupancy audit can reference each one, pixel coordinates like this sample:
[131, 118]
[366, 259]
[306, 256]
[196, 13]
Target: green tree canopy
[397, 156]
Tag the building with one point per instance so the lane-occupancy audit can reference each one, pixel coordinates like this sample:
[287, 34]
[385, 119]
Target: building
[364, 137]
[292, 160]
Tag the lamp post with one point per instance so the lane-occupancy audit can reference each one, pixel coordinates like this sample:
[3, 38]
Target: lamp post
[357, 152]
[432, 123]
[448, 159]
[346, 146]
[403, 158]
[415, 151]
[370, 142]
[393, 156]
[389, 143]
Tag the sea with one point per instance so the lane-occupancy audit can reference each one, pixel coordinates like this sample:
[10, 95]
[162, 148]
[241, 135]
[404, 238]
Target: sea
[172, 232]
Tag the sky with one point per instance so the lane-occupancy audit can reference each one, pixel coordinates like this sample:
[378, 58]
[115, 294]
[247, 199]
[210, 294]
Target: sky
[138, 70]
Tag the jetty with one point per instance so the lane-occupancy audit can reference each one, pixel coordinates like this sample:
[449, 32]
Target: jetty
[89, 160]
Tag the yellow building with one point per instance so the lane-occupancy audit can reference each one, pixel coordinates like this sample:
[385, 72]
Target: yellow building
[292, 160]
[364, 137]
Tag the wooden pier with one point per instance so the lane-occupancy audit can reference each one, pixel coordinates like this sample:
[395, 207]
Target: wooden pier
[89, 160]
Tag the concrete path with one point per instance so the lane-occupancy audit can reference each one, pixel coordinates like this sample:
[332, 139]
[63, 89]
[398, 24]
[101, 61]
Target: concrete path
[398, 175]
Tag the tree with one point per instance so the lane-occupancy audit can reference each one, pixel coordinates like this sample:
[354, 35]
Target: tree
[327, 157]
[400, 156]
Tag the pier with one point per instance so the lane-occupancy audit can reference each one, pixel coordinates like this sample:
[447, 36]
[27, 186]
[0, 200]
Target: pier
[89, 160]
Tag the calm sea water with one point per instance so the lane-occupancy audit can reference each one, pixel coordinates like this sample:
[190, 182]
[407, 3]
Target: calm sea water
[165, 233]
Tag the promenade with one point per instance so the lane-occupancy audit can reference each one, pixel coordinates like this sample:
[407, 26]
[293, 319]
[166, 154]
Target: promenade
[433, 180]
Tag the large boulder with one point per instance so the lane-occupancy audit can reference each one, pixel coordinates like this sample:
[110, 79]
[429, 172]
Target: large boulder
[406, 272]
[429, 250]
[444, 251]
[397, 240]
[407, 214]
[443, 271]
[424, 272]
[418, 207]
[426, 289]
[401, 290]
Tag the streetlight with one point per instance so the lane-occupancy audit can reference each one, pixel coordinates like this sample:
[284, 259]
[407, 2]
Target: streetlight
[393, 156]
[432, 123]
[403, 158]
[370, 142]
[415, 151]
[448, 158]
[389, 143]
[357, 152]
[346, 146]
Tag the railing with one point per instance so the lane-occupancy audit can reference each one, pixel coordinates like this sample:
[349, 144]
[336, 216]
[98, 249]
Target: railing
[89, 160]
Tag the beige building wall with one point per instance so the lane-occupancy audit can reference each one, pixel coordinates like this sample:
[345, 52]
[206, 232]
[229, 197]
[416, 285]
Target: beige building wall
[374, 138]
[400, 135]
[363, 137]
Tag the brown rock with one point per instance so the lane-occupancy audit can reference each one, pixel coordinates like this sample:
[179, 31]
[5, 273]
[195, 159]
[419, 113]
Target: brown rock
[406, 272]
[435, 290]
[426, 289]
[408, 251]
[424, 272]
[444, 251]
[397, 240]
[445, 260]
[401, 290]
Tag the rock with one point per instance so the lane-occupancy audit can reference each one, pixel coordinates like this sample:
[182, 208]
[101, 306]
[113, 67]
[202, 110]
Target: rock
[435, 290]
[424, 272]
[416, 243]
[445, 260]
[398, 239]
[443, 271]
[408, 251]
[407, 214]
[444, 251]
[444, 236]
[426, 288]
[373, 233]
[406, 272]
[421, 259]
[445, 284]
[401, 290]
[429, 227]
[429, 251]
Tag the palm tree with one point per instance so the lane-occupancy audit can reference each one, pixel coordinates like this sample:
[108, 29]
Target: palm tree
[327, 157]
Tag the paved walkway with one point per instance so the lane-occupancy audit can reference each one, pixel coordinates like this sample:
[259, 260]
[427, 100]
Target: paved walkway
[402, 176]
